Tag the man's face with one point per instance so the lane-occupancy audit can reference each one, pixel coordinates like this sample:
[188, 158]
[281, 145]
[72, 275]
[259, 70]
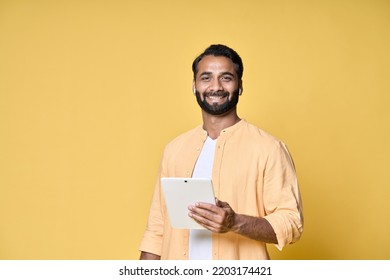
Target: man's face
[216, 84]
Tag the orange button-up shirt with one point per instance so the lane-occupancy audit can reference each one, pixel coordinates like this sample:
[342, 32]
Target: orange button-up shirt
[252, 171]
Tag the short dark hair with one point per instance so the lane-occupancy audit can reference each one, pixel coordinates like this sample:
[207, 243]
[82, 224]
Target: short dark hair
[220, 50]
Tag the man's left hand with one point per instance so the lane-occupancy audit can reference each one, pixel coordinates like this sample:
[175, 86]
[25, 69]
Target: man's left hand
[217, 218]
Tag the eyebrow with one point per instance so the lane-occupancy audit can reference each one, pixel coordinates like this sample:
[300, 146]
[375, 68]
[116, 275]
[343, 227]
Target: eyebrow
[220, 74]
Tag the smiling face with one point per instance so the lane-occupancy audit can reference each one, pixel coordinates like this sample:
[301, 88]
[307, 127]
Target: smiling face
[216, 84]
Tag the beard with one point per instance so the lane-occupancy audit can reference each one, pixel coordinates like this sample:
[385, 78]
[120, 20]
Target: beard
[218, 109]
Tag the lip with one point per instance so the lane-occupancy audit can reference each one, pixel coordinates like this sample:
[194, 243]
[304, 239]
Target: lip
[216, 98]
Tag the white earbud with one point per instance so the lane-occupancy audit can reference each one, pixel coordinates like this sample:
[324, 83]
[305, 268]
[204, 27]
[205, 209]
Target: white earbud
[239, 91]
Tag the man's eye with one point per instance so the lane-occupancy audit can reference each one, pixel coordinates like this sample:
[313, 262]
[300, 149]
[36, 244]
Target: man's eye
[205, 78]
[226, 78]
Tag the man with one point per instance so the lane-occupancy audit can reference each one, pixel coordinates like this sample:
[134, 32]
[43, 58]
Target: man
[254, 180]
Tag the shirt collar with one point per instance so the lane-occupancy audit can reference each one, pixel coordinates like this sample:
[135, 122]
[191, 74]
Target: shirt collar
[229, 129]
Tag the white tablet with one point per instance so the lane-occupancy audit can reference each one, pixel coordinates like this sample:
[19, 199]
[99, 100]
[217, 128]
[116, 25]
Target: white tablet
[179, 193]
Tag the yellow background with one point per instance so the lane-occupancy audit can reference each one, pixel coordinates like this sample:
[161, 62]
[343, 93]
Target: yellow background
[91, 91]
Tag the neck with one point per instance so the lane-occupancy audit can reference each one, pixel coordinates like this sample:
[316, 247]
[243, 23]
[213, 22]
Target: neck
[215, 124]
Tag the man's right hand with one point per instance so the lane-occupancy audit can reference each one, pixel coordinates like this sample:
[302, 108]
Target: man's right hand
[149, 256]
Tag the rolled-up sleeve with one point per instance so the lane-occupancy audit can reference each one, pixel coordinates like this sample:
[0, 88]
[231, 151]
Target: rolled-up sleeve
[282, 199]
[153, 236]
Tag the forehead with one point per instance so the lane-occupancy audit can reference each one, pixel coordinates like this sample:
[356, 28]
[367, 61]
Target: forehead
[216, 64]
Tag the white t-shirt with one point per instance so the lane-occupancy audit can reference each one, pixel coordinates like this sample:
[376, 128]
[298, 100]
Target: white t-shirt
[200, 243]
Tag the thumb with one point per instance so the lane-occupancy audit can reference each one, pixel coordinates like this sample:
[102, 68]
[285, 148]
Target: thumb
[220, 203]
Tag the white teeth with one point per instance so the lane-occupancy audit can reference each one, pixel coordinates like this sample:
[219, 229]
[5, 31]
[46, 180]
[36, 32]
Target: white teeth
[216, 97]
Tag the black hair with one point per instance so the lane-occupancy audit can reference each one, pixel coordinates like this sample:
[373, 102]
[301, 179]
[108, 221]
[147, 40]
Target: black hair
[220, 50]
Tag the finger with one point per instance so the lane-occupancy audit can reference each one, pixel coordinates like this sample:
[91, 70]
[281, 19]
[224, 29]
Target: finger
[208, 211]
[204, 213]
[214, 220]
[221, 203]
[206, 206]
[206, 223]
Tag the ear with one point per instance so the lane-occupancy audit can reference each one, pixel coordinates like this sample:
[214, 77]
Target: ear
[240, 88]
[193, 87]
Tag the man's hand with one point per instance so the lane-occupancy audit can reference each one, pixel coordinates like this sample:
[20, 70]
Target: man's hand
[221, 218]
[149, 256]
[217, 218]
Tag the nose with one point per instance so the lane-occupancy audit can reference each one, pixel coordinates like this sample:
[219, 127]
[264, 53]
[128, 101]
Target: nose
[216, 85]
